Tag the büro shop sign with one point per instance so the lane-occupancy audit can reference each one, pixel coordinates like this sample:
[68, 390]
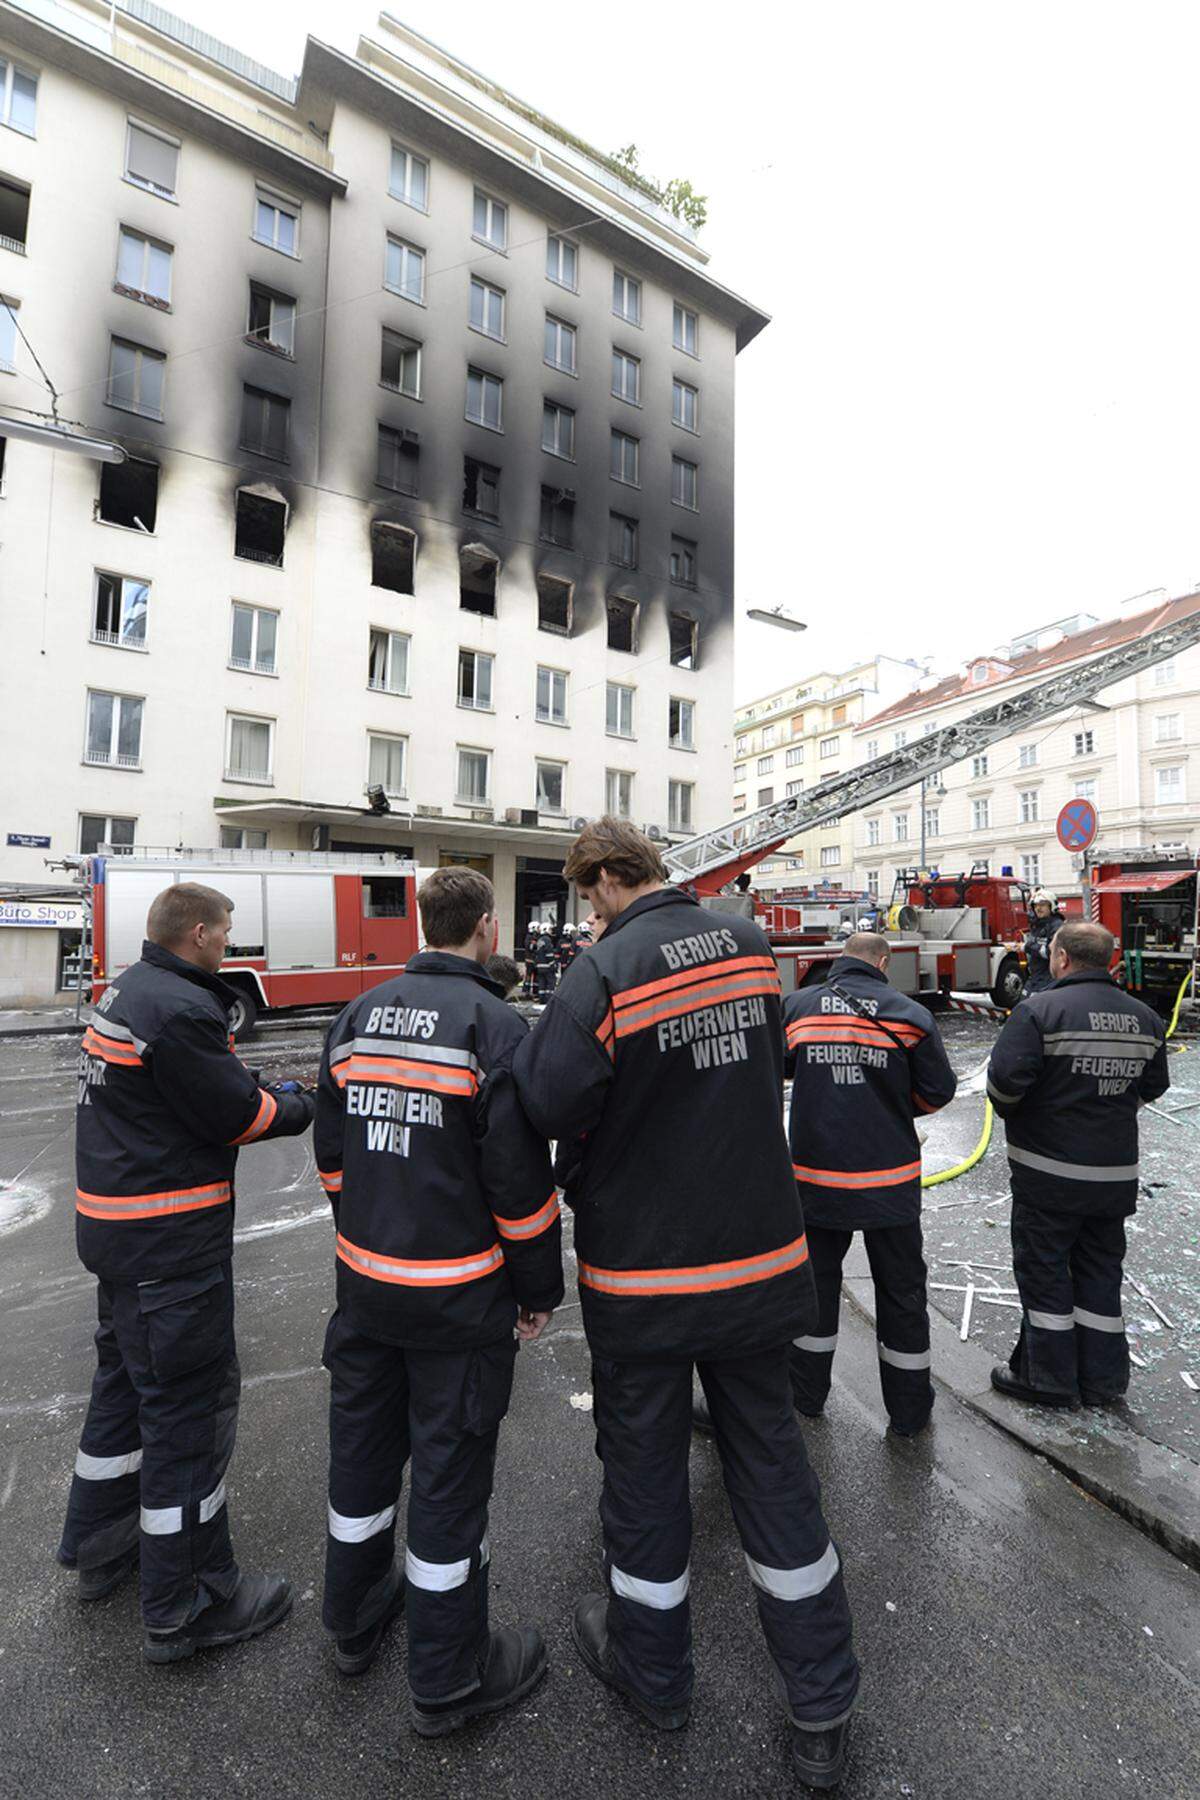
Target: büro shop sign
[50, 914]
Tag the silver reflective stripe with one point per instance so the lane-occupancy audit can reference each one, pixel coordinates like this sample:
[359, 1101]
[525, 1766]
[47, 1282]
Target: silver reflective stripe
[436, 1578]
[356, 1530]
[995, 1093]
[661, 1595]
[1146, 1039]
[906, 1359]
[161, 1521]
[1098, 1321]
[485, 1552]
[434, 1053]
[1073, 1171]
[109, 1028]
[796, 1584]
[1051, 1321]
[212, 1503]
[107, 1468]
[817, 1346]
[1086, 1045]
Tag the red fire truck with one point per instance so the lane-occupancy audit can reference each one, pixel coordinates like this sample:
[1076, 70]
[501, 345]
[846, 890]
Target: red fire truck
[1148, 897]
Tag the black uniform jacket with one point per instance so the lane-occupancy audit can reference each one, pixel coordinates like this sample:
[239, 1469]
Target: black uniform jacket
[163, 1105]
[864, 1058]
[446, 1213]
[663, 1046]
[1038, 940]
[1066, 1075]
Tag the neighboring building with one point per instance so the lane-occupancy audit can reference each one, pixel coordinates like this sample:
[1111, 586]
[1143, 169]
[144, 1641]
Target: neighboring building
[429, 412]
[1131, 755]
[801, 735]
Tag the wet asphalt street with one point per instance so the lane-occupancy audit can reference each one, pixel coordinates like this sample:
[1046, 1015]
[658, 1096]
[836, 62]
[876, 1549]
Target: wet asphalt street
[1017, 1639]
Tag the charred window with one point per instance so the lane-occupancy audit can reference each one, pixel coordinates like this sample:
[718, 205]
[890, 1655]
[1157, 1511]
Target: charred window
[558, 516]
[478, 569]
[393, 557]
[14, 213]
[399, 460]
[481, 488]
[129, 494]
[683, 562]
[554, 605]
[265, 423]
[259, 528]
[623, 540]
[683, 641]
[622, 624]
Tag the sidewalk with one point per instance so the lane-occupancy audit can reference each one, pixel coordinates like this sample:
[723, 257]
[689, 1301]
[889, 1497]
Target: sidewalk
[39, 1021]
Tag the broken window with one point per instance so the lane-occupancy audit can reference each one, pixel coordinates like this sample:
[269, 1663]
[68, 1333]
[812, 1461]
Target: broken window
[683, 562]
[14, 214]
[623, 540]
[129, 494]
[557, 524]
[481, 488]
[400, 364]
[398, 460]
[259, 527]
[478, 569]
[272, 318]
[554, 605]
[683, 641]
[393, 557]
[265, 423]
[622, 624]
[121, 610]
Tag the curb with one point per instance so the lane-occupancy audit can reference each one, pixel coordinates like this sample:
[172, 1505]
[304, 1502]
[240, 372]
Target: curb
[42, 1031]
[1151, 1486]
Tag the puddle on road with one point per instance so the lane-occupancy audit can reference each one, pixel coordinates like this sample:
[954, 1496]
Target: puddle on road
[20, 1205]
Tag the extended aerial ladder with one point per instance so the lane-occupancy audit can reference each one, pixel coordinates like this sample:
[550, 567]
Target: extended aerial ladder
[705, 863]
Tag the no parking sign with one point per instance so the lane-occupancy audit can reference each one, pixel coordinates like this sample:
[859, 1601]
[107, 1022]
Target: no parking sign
[1078, 823]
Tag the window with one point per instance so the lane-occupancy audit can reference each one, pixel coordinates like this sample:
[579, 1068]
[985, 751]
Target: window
[623, 458]
[831, 855]
[551, 703]
[685, 330]
[408, 178]
[485, 399]
[681, 724]
[562, 262]
[265, 423]
[828, 747]
[899, 739]
[234, 837]
[249, 743]
[900, 828]
[794, 787]
[685, 483]
[386, 760]
[129, 494]
[627, 377]
[685, 405]
[560, 345]
[272, 319]
[18, 97]
[487, 308]
[474, 776]
[556, 524]
[797, 724]
[252, 645]
[1167, 728]
[1029, 801]
[404, 270]
[795, 756]
[684, 640]
[489, 221]
[554, 605]
[135, 378]
[679, 805]
[622, 540]
[622, 624]
[397, 459]
[95, 829]
[393, 557]
[151, 160]
[14, 215]
[979, 767]
[478, 569]
[770, 736]
[387, 661]
[838, 717]
[558, 429]
[739, 803]
[1086, 789]
[551, 781]
[873, 883]
[683, 562]
[872, 749]
[1031, 869]
[475, 679]
[618, 793]
[627, 298]
[1164, 673]
[277, 222]
[618, 710]
[1085, 743]
[114, 730]
[121, 609]
[1168, 785]
[933, 821]
[481, 488]
[741, 747]
[1027, 756]
[981, 815]
[765, 765]
[144, 266]
[260, 524]
[400, 364]
[739, 771]
[765, 796]
[872, 832]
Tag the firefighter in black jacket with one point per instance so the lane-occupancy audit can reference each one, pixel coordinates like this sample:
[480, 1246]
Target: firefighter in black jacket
[664, 1046]
[448, 1235]
[864, 1059]
[546, 961]
[1067, 1075]
[163, 1105]
[1046, 921]
[530, 958]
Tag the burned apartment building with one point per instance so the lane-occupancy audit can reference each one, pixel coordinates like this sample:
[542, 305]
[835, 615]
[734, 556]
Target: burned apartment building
[424, 539]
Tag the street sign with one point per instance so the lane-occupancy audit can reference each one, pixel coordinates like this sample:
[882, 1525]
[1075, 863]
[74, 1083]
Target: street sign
[1078, 823]
[27, 840]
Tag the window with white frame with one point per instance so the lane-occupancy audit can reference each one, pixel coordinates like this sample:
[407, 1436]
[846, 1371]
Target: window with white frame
[1169, 785]
[387, 661]
[276, 222]
[486, 309]
[272, 319]
[408, 178]
[266, 419]
[387, 759]
[1085, 743]
[900, 828]
[794, 787]
[489, 221]
[560, 341]
[622, 540]
[872, 832]
[475, 679]
[765, 796]
[795, 756]
[681, 724]
[551, 786]
[18, 97]
[899, 739]
[685, 483]
[400, 363]
[831, 855]
[685, 330]
[558, 429]
[981, 815]
[114, 730]
[151, 160]
[253, 639]
[829, 746]
[979, 767]
[933, 821]
[404, 269]
[1086, 789]
[551, 702]
[739, 803]
[1164, 673]
[135, 378]
[741, 747]
[1031, 868]
[765, 765]
[238, 837]
[739, 771]
[397, 459]
[618, 793]
[485, 399]
[623, 458]
[249, 744]
[683, 562]
[98, 828]
[121, 611]
[1027, 756]
[144, 266]
[873, 883]
[685, 405]
[872, 749]
[1029, 801]
[679, 805]
[562, 262]
[627, 298]
[618, 709]
[770, 736]
[474, 778]
[1168, 728]
[626, 377]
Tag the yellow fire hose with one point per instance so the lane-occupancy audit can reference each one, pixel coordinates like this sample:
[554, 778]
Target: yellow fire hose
[1183, 988]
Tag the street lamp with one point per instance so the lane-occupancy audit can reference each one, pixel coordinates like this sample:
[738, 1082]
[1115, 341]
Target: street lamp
[776, 616]
[57, 437]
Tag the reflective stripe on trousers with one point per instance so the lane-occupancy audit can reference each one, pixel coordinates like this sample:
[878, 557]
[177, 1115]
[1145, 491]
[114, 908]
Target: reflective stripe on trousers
[662, 1595]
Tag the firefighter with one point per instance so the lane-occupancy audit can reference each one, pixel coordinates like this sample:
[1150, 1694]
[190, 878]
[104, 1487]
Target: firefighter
[1067, 1074]
[568, 949]
[546, 964]
[663, 1051]
[1045, 922]
[532, 933]
[864, 1059]
[163, 1105]
[448, 1235]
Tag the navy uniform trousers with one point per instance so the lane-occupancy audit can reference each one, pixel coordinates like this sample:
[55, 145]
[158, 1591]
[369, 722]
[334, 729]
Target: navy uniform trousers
[1068, 1268]
[643, 1415]
[157, 1441]
[896, 1256]
[440, 1412]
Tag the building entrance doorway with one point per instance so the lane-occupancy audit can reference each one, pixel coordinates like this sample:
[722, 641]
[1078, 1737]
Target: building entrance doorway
[542, 894]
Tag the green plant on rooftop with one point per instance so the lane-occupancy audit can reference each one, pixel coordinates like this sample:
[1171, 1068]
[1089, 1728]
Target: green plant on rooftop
[679, 196]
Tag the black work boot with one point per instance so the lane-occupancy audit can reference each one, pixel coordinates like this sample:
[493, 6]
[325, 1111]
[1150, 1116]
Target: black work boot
[98, 1582]
[257, 1603]
[819, 1756]
[1005, 1382]
[590, 1632]
[701, 1417]
[516, 1662]
[355, 1654]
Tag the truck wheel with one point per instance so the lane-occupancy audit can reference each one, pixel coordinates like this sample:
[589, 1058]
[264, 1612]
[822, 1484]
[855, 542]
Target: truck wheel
[1009, 983]
[243, 1015]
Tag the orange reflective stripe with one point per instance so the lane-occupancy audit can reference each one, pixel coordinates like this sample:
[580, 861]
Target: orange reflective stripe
[685, 977]
[132, 1208]
[419, 1271]
[111, 1050]
[674, 1006]
[533, 1226]
[401, 1071]
[829, 1025]
[858, 1178]
[268, 1106]
[708, 1278]
[875, 1039]
[331, 1181]
[606, 1032]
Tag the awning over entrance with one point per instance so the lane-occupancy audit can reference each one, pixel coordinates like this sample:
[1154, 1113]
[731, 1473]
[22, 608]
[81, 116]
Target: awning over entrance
[1142, 881]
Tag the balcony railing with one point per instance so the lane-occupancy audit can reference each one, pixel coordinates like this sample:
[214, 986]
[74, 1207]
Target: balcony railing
[106, 759]
[117, 641]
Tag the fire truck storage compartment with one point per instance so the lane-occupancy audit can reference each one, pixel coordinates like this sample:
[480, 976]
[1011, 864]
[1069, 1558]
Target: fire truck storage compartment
[128, 893]
[300, 921]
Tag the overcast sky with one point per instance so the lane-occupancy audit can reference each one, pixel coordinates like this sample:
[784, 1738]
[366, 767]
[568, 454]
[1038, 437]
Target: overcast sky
[975, 228]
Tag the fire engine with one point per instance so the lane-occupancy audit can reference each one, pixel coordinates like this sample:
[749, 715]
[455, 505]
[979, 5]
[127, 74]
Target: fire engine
[1148, 896]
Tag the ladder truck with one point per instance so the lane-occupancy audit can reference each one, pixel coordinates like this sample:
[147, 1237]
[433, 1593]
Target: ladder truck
[706, 863]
